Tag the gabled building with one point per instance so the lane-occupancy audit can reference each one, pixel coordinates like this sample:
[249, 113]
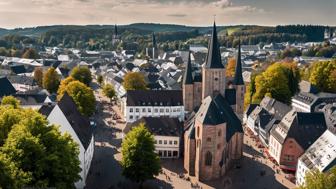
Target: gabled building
[307, 102]
[321, 156]
[167, 134]
[153, 103]
[71, 121]
[213, 136]
[296, 132]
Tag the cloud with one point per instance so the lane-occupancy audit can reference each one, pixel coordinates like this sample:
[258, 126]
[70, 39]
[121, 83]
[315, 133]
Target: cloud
[223, 3]
[177, 15]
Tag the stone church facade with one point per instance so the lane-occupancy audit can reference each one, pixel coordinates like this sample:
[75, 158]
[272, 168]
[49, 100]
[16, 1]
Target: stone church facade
[213, 138]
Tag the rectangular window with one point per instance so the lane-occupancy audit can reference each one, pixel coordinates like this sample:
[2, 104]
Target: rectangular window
[169, 153]
[137, 117]
[178, 110]
[175, 153]
[136, 109]
[164, 142]
[131, 117]
[174, 110]
[143, 109]
[175, 142]
[131, 109]
[170, 142]
[149, 110]
[156, 110]
[160, 141]
[167, 110]
[161, 110]
[155, 142]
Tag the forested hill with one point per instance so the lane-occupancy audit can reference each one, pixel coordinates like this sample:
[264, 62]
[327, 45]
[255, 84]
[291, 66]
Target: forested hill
[169, 36]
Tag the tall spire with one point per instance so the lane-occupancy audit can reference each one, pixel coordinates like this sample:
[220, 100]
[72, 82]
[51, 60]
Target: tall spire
[187, 79]
[115, 30]
[154, 40]
[238, 78]
[214, 57]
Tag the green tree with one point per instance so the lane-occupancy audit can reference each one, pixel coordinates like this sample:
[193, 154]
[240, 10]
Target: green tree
[63, 85]
[109, 91]
[273, 82]
[100, 80]
[30, 54]
[134, 81]
[38, 76]
[322, 75]
[10, 101]
[318, 180]
[51, 80]
[82, 74]
[82, 95]
[34, 153]
[139, 160]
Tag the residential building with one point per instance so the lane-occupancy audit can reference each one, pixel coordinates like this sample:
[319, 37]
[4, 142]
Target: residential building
[66, 115]
[321, 156]
[167, 134]
[307, 102]
[6, 88]
[153, 103]
[296, 132]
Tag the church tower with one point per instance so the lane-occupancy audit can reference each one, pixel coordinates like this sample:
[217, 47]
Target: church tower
[115, 37]
[155, 49]
[213, 71]
[238, 83]
[188, 87]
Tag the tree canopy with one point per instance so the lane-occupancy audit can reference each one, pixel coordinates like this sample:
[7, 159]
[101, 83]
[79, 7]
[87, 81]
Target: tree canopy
[109, 91]
[82, 95]
[268, 83]
[10, 101]
[30, 54]
[139, 160]
[318, 180]
[34, 153]
[323, 75]
[38, 76]
[231, 67]
[82, 74]
[51, 80]
[134, 81]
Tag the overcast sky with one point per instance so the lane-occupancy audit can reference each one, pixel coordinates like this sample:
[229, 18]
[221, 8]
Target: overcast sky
[25, 13]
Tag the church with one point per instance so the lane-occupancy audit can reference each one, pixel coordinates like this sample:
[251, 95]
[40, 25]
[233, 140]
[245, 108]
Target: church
[213, 137]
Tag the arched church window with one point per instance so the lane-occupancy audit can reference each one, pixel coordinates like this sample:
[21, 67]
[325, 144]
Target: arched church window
[208, 159]
[198, 131]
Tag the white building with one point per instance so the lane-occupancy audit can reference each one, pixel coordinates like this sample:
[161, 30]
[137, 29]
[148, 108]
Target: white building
[66, 115]
[153, 103]
[307, 102]
[321, 155]
[167, 134]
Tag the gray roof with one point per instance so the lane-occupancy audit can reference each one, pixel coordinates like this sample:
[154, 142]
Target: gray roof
[31, 99]
[154, 98]
[214, 111]
[162, 126]
[79, 123]
[213, 59]
[6, 87]
[304, 127]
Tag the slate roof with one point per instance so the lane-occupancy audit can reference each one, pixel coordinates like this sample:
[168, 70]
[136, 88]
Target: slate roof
[315, 99]
[154, 98]
[230, 96]
[214, 111]
[238, 78]
[6, 87]
[161, 126]
[22, 79]
[46, 109]
[213, 59]
[304, 127]
[277, 108]
[18, 69]
[31, 99]
[79, 123]
[250, 108]
[187, 78]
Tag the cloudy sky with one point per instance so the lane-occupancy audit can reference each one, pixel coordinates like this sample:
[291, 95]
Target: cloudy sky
[25, 13]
